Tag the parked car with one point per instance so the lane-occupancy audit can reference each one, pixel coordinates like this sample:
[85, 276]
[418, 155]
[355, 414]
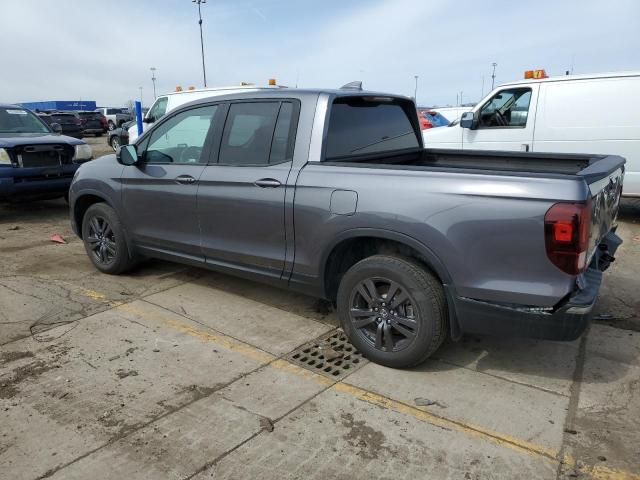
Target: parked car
[431, 119]
[572, 114]
[411, 244]
[93, 123]
[115, 116]
[69, 122]
[119, 136]
[167, 102]
[35, 160]
[452, 114]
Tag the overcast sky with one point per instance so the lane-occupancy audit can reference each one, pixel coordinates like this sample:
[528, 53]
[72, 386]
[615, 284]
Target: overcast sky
[102, 50]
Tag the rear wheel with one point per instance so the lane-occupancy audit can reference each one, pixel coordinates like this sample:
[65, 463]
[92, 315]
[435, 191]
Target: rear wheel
[104, 240]
[393, 310]
[115, 142]
[111, 125]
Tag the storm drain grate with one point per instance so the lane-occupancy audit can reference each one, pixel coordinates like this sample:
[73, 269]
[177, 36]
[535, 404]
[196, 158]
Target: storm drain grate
[330, 355]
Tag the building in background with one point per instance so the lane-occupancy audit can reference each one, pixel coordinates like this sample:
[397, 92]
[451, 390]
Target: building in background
[87, 105]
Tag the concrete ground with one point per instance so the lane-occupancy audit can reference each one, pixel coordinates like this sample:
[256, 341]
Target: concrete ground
[174, 372]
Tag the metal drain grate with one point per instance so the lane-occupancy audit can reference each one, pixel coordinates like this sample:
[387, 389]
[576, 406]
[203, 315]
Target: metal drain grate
[330, 355]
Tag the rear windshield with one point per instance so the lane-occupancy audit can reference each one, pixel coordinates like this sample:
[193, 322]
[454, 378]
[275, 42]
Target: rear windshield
[366, 125]
[89, 114]
[19, 120]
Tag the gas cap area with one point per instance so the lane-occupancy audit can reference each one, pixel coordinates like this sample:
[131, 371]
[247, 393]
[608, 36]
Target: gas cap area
[343, 202]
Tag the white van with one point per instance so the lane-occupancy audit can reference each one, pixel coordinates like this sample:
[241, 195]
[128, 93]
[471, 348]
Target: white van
[573, 114]
[168, 101]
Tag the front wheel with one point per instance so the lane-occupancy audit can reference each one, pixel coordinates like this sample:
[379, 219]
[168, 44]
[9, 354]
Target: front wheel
[393, 310]
[111, 125]
[115, 143]
[104, 240]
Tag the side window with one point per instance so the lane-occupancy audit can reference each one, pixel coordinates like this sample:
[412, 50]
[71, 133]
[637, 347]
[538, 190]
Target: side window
[158, 109]
[248, 133]
[508, 108]
[282, 145]
[181, 138]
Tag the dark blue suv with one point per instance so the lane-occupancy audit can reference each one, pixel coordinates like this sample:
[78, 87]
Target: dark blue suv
[36, 162]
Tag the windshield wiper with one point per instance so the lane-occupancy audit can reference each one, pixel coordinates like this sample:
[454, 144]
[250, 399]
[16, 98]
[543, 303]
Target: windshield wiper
[385, 139]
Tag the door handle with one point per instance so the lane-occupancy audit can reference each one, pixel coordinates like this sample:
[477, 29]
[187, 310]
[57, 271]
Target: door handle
[267, 183]
[185, 179]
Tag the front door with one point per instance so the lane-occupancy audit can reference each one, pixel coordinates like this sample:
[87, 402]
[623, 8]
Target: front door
[504, 122]
[159, 194]
[241, 198]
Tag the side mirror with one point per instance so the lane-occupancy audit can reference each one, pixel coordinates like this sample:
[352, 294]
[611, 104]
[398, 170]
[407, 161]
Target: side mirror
[468, 120]
[127, 155]
[148, 120]
[56, 127]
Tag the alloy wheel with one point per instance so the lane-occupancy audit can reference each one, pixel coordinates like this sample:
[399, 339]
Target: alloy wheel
[102, 240]
[384, 313]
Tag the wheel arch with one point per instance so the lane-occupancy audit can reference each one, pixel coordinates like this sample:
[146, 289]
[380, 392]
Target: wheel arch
[354, 245]
[81, 204]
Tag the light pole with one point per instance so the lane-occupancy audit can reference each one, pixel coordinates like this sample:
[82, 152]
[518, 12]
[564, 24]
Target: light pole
[153, 79]
[415, 91]
[493, 74]
[204, 72]
[140, 94]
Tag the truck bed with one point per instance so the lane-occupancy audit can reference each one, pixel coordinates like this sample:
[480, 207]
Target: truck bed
[592, 167]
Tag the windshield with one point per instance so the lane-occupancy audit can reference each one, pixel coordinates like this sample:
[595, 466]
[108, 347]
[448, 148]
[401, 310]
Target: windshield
[19, 120]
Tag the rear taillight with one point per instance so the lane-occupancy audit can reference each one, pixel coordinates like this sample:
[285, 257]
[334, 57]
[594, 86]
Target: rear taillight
[566, 234]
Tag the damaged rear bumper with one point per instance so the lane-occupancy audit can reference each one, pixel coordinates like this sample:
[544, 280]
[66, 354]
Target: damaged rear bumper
[567, 320]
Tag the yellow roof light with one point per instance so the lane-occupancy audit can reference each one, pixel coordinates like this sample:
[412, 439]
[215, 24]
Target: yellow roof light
[192, 87]
[178, 88]
[535, 74]
[272, 82]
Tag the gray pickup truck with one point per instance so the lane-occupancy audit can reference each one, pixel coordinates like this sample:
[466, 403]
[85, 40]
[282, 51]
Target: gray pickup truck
[331, 193]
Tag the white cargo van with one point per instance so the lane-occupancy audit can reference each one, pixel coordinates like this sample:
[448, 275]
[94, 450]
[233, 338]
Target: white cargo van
[572, 114]
[168, 101]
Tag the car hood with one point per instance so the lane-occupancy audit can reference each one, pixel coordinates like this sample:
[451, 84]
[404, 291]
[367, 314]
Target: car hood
[8, 140]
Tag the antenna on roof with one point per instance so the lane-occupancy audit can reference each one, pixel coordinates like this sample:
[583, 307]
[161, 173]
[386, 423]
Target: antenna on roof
[356, 85]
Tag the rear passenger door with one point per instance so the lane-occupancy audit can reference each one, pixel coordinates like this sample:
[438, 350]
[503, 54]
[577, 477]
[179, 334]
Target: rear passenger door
[241, 196]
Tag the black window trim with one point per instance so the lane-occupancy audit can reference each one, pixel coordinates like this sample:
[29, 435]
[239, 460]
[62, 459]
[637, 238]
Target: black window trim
[145, 138]
[293, 130]
[505, 127]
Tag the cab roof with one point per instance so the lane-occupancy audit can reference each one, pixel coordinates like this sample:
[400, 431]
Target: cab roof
[566, 78]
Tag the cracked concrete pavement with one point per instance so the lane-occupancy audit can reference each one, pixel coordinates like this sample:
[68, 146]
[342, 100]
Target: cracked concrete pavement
[174, 372]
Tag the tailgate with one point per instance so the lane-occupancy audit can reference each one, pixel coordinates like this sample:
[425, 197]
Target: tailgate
[604, 178]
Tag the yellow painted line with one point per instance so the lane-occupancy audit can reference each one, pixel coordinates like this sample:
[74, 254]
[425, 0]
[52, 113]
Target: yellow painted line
[219, 339]
[99, 297]
[287, 366]
[597, 472]
[425, 416]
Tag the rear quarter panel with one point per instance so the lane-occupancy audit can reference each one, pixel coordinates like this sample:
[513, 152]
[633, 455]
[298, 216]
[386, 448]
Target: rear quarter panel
[487, 230]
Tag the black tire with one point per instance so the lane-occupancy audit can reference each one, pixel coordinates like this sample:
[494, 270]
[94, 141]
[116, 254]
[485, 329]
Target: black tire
[415, 326]
[104, 240]
[115, 143]
[111, 125]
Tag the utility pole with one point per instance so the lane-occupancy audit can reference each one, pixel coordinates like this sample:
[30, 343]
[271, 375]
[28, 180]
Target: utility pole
[415, 91]
[461, 97]
[493, 75]
[153, 79]
[204, 72]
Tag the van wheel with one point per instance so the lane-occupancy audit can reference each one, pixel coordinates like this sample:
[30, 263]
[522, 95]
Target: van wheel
[104, 240]
[393, 310]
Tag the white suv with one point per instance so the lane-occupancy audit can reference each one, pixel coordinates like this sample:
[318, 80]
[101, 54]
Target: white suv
[167, 102]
